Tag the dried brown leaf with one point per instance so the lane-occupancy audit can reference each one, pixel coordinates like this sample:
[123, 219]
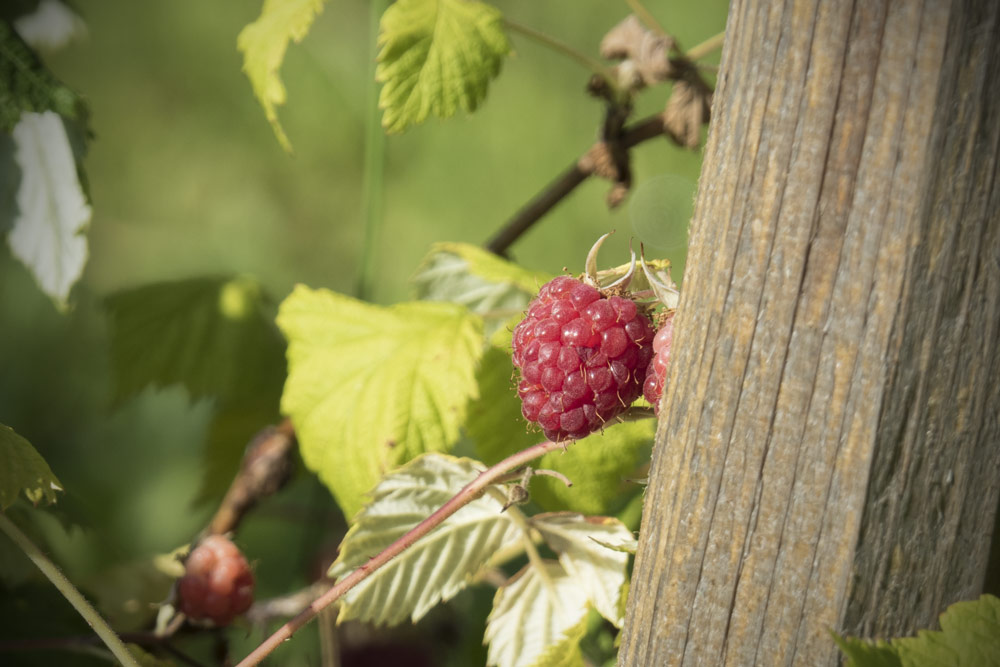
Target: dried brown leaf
[687, 109]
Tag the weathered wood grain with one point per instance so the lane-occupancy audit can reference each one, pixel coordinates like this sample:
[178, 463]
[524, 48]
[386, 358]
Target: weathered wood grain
[829, 455]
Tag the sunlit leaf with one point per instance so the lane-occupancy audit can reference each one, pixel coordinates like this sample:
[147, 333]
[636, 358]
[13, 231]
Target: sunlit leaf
[479, 280]
[370, 387]
[537, 610]
[566, 652]
[600, 466]
[440, 564]
[600, 571]
[47, 232]
[25, 470]
[495, 423]
[437, 57]
[263, 45]
[213, 335]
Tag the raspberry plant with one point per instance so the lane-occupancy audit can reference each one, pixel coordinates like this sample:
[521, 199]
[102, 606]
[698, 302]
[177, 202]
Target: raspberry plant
[381, 400]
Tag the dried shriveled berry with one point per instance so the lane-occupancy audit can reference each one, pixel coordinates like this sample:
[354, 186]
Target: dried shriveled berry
[217, 584]
[581, 356]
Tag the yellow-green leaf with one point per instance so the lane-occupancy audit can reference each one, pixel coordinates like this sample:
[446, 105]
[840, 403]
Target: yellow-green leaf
[600, 467]
[540, 607]
[370, 387]
[437, 57]
[23, 469]
[440, 564]
[263, 45]
[598, 570]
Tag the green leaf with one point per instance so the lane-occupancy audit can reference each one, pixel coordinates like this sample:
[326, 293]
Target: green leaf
[25, 470]
[371, 387]
[47, 234]
[969, 637]
[489, 286]
[566, 652]
[600, 467]
[213, 335]
[440, 564]
[263, 45]
[536, 610]
[495, 423]
[27, 86]
[861, 653]
[437, 57]
[598, 570]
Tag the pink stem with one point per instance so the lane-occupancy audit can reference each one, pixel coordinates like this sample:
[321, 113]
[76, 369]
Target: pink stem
[469, 492]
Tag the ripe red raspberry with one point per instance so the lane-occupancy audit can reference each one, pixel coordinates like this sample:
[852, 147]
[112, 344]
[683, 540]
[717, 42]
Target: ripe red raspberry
[656, 372]
[217, 584]
[581, 356]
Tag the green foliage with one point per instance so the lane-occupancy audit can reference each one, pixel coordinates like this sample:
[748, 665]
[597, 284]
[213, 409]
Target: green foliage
[495, 423]
[371, 387]
[487, 285]
[861, 653]
[263, 45]
[23, 470]
[599, 466]
[438, 566]
[969, 637]
[212, 335]
[566, 652]
[437, 57]
[51, 211]
[539, 608]
[479, 535]
[598, 570]
[27, 85]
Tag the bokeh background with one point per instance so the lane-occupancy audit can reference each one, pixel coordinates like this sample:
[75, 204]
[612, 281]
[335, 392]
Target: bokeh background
[186, 179]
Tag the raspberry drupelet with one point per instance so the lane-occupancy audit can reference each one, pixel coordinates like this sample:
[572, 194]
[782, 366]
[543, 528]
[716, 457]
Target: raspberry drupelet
[582, 358]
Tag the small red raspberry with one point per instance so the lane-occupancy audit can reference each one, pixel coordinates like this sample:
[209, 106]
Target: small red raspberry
[217, 584]
[656, 372]
[580, 355]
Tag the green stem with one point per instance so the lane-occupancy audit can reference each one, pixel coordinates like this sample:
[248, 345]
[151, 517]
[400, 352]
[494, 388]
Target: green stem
[711, 44]
[373, 185]
[68, 591]
[548, 41]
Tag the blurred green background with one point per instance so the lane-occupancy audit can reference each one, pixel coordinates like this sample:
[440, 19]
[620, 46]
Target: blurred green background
[186, 179]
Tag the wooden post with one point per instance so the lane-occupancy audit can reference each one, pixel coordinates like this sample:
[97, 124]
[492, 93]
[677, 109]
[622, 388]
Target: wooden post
[829, 451]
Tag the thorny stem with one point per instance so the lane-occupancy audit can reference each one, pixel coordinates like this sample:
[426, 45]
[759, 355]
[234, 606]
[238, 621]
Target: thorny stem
[69, 591]
[574, 175]
[469, 492]
[592, 64]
